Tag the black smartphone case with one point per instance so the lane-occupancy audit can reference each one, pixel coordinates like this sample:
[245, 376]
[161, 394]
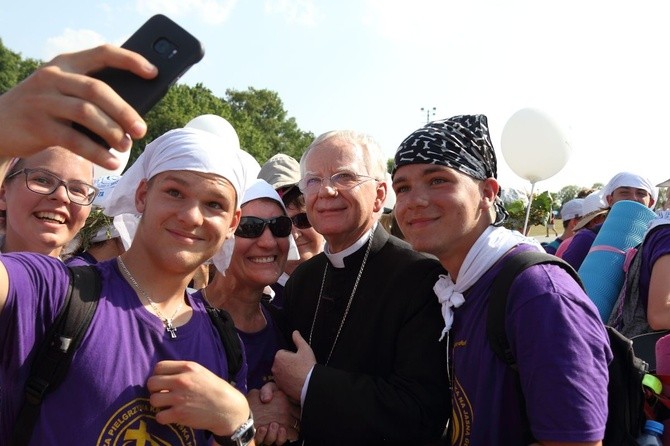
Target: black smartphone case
[168, 46]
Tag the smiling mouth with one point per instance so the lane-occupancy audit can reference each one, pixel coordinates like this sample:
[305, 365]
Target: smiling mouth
[51, 217]
[268, 259]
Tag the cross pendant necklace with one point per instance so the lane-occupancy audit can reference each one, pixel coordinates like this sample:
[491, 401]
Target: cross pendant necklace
[169, 326]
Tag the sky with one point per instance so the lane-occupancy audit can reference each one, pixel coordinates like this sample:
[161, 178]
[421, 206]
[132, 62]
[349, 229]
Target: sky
[598, 71]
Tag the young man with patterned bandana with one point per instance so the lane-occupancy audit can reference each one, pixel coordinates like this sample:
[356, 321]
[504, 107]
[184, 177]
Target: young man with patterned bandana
[447, 204]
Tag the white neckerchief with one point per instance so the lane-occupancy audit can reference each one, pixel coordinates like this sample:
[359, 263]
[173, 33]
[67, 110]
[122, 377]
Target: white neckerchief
[487, 250]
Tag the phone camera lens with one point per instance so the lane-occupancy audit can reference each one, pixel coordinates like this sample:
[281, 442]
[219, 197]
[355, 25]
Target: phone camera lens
[165, 48]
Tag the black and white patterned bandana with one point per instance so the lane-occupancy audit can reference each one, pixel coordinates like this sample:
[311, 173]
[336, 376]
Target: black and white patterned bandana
[461, 142]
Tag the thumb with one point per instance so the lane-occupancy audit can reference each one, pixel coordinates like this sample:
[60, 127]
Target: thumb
[299, 341]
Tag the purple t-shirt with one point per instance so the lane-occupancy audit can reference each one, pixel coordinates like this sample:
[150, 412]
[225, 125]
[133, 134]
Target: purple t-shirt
[562, 352]
[103, 399]
[261, 348]
[655, 246]
[580, 246]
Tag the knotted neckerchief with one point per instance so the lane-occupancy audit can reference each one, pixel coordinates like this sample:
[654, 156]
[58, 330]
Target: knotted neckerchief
[494, 243]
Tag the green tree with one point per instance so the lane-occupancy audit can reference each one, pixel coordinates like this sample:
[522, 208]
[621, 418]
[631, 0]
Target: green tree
[567, 193]
[540, 207]
[181, 104]
[13, 68]
[262, 124]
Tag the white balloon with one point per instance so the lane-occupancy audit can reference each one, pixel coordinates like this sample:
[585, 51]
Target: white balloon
[222, 128]
[534, 146]
[99, 172]
[214, 124]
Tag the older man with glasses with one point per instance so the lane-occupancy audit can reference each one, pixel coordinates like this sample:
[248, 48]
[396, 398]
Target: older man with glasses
[367, 367]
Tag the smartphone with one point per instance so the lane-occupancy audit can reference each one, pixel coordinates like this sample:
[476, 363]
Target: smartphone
[168, 46]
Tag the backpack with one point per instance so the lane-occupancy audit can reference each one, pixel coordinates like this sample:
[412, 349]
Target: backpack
[625, 392]
[61, 340]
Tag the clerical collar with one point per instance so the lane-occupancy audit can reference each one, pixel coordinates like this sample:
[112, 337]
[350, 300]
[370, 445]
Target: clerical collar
[337, 259]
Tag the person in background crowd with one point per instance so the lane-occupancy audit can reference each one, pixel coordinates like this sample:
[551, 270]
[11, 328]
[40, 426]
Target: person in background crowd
[570, 213]
[368, 367]
[642, 305]
[283, 173]
[622, 186]
[99, 239]
[448, 205]
[593, 214]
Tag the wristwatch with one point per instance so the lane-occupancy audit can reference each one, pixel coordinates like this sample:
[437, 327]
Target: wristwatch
[242, 435]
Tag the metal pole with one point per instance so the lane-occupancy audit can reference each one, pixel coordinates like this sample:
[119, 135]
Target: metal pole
[428, 110]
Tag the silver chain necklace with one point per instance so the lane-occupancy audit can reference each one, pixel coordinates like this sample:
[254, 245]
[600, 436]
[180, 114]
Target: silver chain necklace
[351, 297]
[169, 327]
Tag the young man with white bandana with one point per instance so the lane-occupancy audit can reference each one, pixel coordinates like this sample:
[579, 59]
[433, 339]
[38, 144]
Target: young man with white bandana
[447, 204]
[622, 186]
[151, 367]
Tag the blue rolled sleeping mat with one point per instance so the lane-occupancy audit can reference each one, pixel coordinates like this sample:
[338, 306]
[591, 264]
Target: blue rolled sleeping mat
[602, 270]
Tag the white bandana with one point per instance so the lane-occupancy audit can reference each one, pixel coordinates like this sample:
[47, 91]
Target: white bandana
[181, 149]
[487, 250]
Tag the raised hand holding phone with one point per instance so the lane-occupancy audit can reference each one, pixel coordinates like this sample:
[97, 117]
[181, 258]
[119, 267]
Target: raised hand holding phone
[165, 44]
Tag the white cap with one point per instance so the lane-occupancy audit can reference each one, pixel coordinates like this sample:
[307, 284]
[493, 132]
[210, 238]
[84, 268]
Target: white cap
[572, 209]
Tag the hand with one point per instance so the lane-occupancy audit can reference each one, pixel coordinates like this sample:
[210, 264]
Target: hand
[276, 418]
[188, 394]
[291, 369]
[38, 112]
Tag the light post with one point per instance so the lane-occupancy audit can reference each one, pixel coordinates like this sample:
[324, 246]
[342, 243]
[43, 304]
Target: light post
[428, 111]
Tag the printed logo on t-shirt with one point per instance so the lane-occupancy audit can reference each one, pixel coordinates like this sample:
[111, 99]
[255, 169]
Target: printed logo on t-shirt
[461, 416]
[135, 424]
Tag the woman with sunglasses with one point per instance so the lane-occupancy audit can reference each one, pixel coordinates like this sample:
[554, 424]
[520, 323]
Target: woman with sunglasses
[283, 173]
[262, 245]
[40, 215]
[259, 258]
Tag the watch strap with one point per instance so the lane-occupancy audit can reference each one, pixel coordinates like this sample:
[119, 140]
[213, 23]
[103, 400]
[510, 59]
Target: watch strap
[242, 435]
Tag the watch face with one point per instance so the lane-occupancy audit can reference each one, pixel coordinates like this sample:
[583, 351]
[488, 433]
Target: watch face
[244, 437]
[248, 435]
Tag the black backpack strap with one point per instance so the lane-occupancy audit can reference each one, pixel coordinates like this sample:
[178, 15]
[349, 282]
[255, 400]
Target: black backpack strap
[231, 340]
[513, 265]
[61, 340]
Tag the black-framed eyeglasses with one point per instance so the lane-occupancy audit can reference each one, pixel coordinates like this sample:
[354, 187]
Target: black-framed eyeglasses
[340, 181]
[301, 221]
[253, 227]
[43, 182]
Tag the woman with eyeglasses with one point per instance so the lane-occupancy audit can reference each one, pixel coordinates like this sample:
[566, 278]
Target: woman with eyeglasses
[46, 199]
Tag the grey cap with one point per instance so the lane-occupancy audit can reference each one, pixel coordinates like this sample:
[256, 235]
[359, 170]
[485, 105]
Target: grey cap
[280, 171]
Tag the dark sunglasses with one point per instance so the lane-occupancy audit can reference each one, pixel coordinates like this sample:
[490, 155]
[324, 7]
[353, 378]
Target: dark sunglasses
[300, 221]
[253, 227]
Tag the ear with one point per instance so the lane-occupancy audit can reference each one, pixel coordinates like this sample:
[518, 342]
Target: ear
[489, 188]
[141, 196]
[381, 196]
[609, 199]
[3, 198]
[233, 223]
